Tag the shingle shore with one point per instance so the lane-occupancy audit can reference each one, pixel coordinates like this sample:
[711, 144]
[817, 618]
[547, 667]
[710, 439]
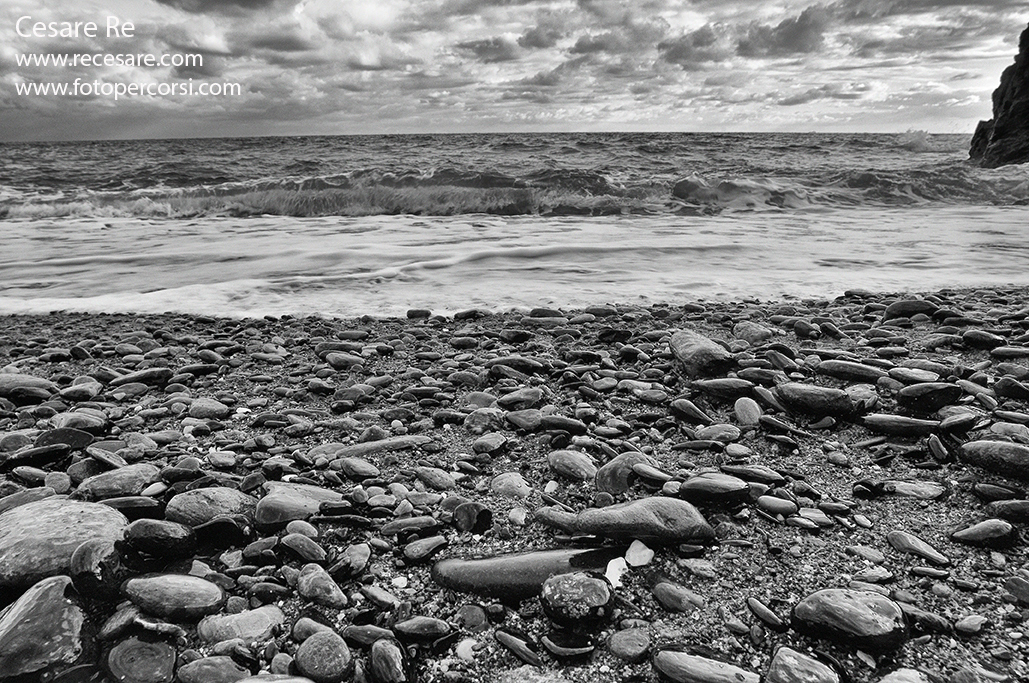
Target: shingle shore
[803, 490]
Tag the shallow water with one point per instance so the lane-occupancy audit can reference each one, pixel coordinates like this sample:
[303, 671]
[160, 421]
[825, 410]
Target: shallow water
[380, 224]
[342, 266]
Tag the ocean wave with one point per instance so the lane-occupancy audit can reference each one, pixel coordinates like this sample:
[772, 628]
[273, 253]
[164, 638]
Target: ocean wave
[503, 175]
[439, 200]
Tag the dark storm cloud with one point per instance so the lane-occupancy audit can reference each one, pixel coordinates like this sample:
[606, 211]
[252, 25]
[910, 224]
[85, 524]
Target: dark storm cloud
[802, 34]
[496, 49]
[181, 40]
[541, 36]
[795, 35]
[709, 43]
[628, 36]
[383, 63]
[465, 7]
[217, 6]
[281, 43]
[548, 79]
[210, 67]
[832, 91]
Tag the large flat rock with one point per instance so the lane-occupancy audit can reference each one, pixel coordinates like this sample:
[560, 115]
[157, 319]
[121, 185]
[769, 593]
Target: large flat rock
[37, 539]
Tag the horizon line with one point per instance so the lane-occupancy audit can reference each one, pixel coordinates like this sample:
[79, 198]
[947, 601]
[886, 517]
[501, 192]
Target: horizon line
[470, 133]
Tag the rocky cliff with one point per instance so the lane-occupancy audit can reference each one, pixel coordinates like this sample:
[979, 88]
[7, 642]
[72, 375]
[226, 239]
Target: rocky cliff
[1004, 139]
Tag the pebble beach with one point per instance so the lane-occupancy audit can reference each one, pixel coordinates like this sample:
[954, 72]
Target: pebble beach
[810, 490]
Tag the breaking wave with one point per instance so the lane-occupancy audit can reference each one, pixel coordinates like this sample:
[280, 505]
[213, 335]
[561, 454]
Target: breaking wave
[545, 175]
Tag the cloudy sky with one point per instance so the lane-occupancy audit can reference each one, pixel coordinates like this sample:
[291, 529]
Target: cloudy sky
[388, 66]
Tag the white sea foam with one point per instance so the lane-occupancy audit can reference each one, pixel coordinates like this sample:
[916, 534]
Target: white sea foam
[386, 264]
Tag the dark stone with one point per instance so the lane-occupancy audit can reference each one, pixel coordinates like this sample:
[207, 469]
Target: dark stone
[44, 633]
[652, 520]
[96, 569]
[577, 599]
[715, 488]
[859, 618]
[928, 397]
[1002, 457]
[1012, 510]
[850, 371]
[898, 425]
[421, 629]
[700, 356]
[142, 660]
[815, 400]
[568, 647]
[517, 576]
[473, 517]
[161, 538]
[991, 533]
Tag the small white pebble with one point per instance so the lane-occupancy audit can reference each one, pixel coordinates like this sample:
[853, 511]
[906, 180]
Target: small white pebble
[466, 649]
[866, 658]
[400, 582]
[551, 487]
[638, 554]
[614, 571]
[517, 516]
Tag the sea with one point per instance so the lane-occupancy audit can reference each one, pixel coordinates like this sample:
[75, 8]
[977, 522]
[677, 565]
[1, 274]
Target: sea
[346, 226]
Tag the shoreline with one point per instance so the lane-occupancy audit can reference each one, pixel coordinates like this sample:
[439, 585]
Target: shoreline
[506, 313]
[394, 416]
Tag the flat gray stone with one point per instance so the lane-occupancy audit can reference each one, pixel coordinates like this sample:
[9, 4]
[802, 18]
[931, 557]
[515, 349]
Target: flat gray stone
[178, 597]
[37, 539]
[680, 667]
[1002, 457]
[790, 666]
[11, 383]
[700, 356]
[208, 409]
[516, 576]
[124, 481]
[202, 505]
[286, 502]
[212, 670]
[254, 625]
